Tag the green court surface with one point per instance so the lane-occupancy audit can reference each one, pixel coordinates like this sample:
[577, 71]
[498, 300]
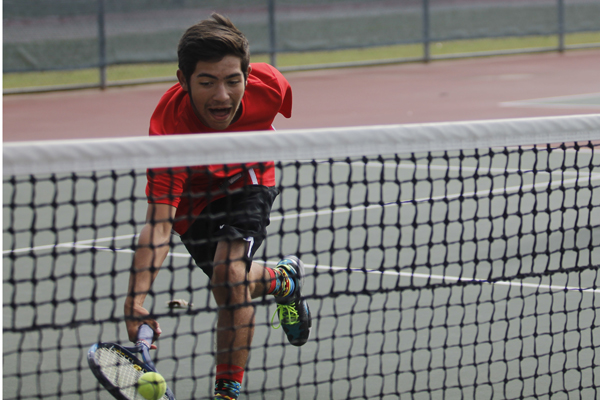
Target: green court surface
[432, 279]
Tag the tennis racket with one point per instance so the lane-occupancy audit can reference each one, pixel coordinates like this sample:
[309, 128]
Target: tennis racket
[118, 368]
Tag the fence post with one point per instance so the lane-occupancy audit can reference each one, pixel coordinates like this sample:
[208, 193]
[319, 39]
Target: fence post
[561, 25]
[101, 44]
[426, 54]
[272, 33]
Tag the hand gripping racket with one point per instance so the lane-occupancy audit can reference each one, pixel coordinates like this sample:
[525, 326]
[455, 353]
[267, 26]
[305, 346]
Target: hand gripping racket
[118, 369]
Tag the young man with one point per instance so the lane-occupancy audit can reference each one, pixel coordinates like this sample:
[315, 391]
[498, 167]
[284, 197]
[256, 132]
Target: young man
[220, 211]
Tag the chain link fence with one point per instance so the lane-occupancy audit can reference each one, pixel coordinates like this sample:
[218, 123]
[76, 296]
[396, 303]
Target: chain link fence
[44, 35]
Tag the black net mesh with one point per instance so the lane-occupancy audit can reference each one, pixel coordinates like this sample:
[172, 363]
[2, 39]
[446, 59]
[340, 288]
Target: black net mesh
[453, 274]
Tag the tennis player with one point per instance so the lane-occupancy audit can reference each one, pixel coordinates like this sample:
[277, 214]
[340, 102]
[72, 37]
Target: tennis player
[220, 211]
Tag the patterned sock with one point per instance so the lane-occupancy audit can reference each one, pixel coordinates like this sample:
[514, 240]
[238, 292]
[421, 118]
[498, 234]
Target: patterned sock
[228, 382]
[275, 282]
[283, 286]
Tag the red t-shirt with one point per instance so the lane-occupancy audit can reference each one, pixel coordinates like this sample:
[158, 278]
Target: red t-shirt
[267, 93]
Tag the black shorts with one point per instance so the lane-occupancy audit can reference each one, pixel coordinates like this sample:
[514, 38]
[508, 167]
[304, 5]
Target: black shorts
[242, 214]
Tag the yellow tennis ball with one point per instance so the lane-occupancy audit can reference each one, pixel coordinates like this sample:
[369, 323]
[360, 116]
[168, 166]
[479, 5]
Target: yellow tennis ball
[152, 386]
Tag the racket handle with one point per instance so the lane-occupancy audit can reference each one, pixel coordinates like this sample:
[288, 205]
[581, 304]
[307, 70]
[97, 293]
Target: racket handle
[146, 334]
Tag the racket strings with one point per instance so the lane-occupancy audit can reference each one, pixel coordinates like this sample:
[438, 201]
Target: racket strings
[120, 371]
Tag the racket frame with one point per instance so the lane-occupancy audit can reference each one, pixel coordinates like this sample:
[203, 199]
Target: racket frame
[146, 365]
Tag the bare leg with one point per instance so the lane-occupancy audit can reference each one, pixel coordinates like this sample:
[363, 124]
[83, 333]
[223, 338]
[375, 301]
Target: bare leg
[233, 289]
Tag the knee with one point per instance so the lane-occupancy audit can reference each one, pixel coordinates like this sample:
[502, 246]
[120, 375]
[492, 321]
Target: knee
[230, 282]
[233, 272]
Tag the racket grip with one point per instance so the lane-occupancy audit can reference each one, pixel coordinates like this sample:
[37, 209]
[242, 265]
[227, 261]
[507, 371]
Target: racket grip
[146, 334]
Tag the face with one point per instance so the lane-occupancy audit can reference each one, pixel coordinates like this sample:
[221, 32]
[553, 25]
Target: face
[216, 90]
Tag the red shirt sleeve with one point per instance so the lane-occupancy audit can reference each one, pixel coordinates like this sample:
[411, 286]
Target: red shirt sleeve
[286, 94]
[166, 185]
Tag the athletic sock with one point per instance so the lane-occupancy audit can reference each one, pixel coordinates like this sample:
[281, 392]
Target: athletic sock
[228, 381]
[281, 284]
[275, 282]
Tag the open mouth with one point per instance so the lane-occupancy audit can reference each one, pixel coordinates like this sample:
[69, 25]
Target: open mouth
[220, 113]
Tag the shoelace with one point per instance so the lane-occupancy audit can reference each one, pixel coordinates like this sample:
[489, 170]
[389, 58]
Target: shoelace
[287, 315]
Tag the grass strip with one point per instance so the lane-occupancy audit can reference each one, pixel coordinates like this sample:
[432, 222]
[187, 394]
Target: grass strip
[116, 73]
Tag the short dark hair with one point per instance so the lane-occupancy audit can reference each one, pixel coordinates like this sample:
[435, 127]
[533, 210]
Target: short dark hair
[209, 41]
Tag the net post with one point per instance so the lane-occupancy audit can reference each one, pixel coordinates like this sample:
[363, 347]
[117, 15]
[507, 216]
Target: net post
[101, 44]
[426, 38]
[272, 33]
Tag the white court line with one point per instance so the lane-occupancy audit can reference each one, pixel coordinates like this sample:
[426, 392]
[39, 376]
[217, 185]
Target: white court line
[555, 102]
[445, 278]
[503, 190]
[414, 275]
[480, 169]
[481, 193]
[341, 210]
[68, 244]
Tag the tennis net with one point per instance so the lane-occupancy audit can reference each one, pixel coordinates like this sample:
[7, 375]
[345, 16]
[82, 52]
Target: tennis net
[452, 260]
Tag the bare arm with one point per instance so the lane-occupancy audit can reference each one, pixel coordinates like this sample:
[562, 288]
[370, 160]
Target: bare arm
[152, 249]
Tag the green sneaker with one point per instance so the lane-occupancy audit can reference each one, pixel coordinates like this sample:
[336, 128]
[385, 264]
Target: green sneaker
[293, 311]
